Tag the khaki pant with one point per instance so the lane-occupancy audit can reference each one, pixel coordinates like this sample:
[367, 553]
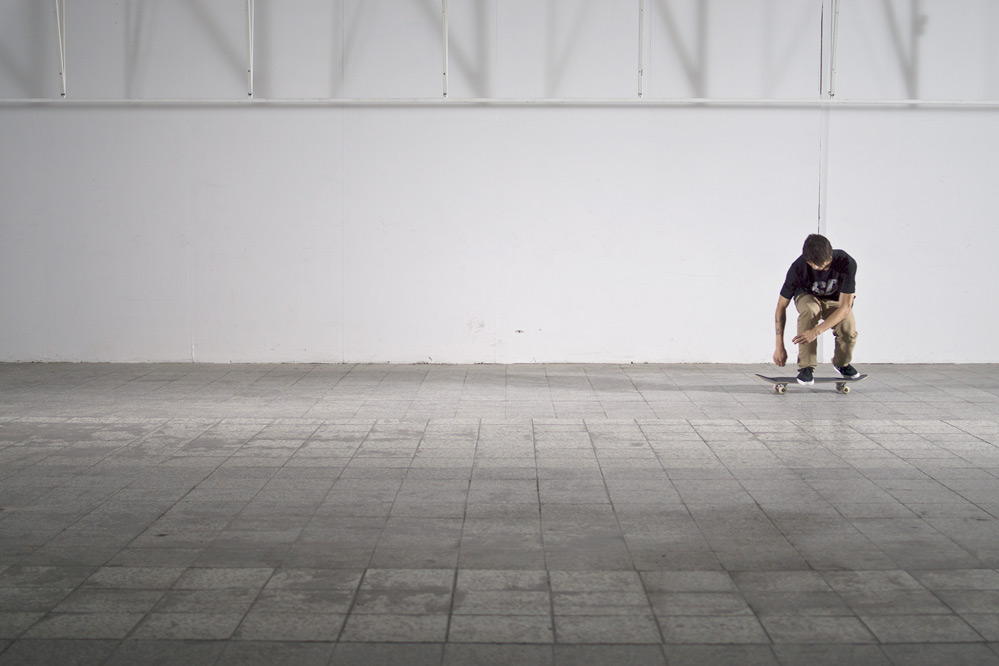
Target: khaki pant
[811, 311]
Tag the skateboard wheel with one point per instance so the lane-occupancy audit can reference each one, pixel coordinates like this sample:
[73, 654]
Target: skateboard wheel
[843, 388]
[781, 388]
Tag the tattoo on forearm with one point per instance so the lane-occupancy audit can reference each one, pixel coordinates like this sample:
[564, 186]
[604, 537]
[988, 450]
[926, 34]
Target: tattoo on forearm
[780, 325]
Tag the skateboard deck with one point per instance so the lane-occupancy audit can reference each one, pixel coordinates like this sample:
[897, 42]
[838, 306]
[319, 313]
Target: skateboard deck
[780, 383]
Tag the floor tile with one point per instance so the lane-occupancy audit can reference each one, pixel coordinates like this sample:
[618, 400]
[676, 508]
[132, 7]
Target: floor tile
[931, 655]
[84, 625]
[501, 629]
[188, 626]
[805, 629]
[712, 629]
[395, 628]
[167, 653]
[88, 652]
[289, 626]
[721, 655]
[921, 629]
[598, 655]
[606, 629]
[831, 654]
[498, 655]
[265, 653]
[387, 654]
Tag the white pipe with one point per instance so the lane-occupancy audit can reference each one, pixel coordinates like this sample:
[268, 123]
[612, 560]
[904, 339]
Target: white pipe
[641, 46]
[444, 37]
[513, 102]
[249, 47]
[832, 49]
[60, 6]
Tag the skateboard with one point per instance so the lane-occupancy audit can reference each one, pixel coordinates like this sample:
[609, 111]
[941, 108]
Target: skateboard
[780, 383]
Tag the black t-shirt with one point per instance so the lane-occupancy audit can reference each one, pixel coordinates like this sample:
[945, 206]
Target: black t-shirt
[839, 278]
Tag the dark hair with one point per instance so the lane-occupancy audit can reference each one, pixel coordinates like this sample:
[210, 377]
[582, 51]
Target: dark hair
[817, 250]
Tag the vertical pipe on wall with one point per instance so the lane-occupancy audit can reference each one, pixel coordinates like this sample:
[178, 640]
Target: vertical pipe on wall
[444, 37]
[641, 46]
[249, 47]
[60, 7]
[827, 88]
[832, 48]
[823, 168]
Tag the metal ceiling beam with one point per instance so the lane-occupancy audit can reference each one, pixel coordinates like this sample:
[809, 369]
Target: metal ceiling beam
[445, 39]
[650, 102]
[641, 47]
[833, 44]
[60, 7]
[249, 47]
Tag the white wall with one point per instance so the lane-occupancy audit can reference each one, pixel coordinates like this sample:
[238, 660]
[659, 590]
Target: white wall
[402, 233]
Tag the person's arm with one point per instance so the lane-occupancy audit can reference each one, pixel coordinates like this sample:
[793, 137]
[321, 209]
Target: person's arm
[780, 320]
[845, 306]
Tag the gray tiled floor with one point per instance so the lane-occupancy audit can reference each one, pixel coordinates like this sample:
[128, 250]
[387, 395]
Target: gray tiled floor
[542, 514]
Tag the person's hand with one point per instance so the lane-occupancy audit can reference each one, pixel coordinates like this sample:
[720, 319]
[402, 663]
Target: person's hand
[811, 335]
[780, 356]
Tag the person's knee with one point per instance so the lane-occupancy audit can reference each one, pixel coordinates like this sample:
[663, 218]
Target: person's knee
[846, 329]
[846, 335]
[808, 306]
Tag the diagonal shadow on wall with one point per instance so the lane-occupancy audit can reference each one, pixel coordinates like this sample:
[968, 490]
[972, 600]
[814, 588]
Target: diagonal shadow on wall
[693, 59]
[28, 70]
[906, 41]
[558, 55]
[777, 61]
[140, 15]
[474, 66]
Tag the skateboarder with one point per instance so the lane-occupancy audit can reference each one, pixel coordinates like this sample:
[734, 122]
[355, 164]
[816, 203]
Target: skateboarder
[821, 282]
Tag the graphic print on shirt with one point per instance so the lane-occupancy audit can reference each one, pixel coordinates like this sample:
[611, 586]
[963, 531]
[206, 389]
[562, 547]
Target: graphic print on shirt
[825, 287]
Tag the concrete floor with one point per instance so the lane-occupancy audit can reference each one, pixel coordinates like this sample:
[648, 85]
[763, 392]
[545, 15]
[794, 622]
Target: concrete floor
[541, 514]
